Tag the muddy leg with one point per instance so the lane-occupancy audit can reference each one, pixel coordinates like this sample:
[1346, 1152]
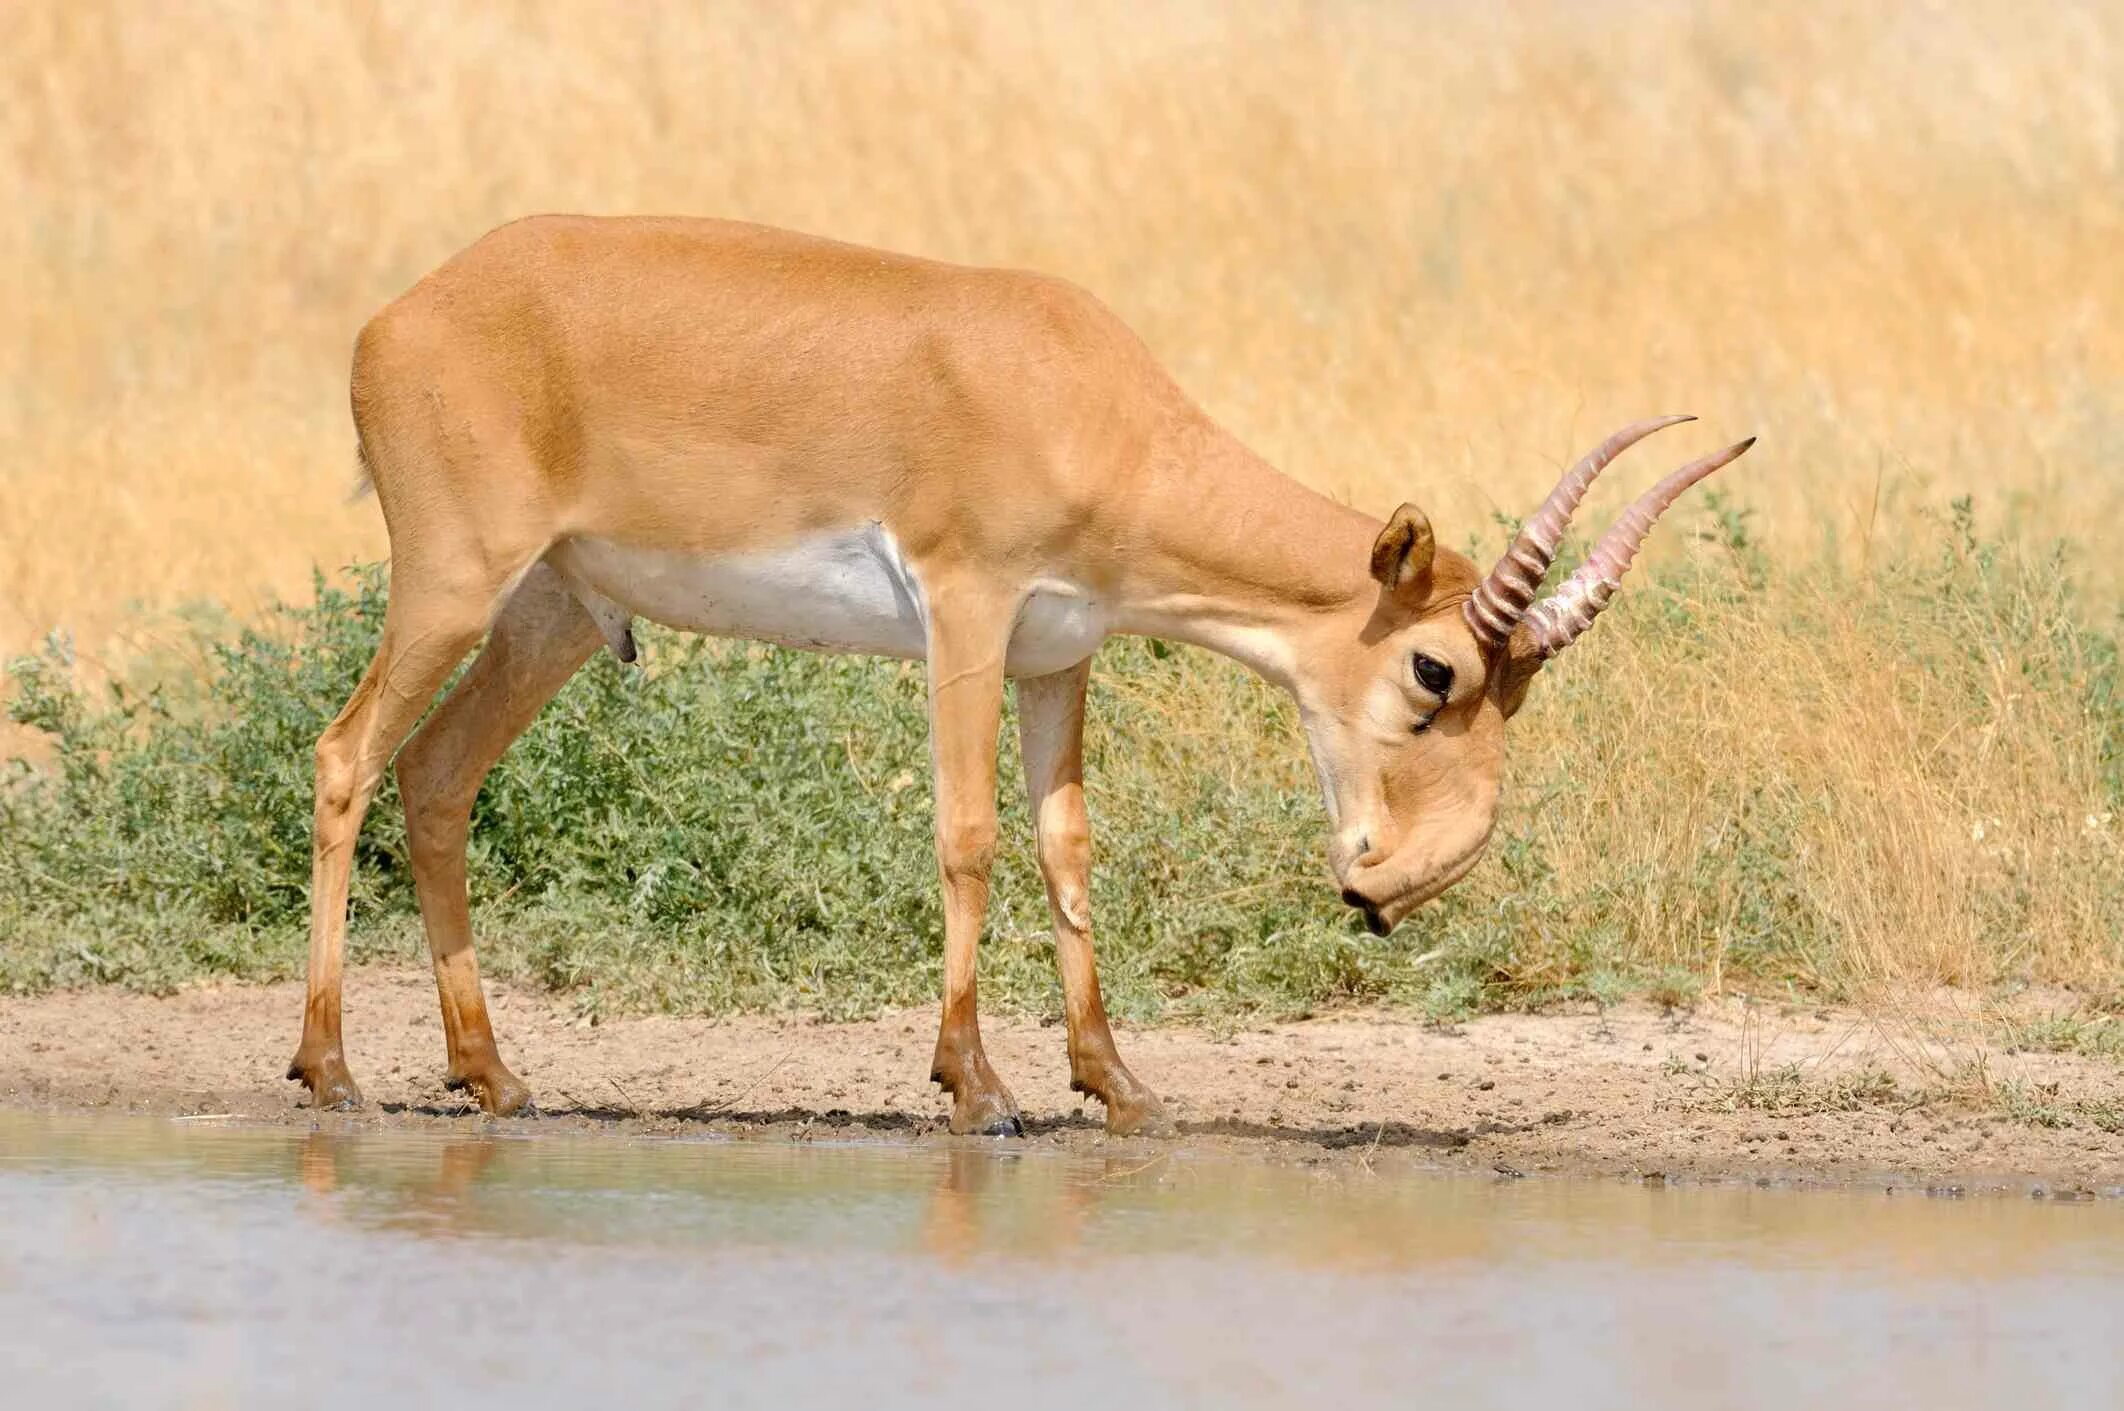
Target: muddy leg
[425, 635]
[968, 635]
[1051, 733]
[540, 639]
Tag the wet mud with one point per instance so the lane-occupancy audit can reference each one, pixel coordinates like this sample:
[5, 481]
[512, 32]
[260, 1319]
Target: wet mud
[1729, 1092]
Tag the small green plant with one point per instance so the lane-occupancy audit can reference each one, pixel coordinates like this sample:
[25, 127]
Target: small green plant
[1790, 1091]
[2092, 1033]
[2044, 1105]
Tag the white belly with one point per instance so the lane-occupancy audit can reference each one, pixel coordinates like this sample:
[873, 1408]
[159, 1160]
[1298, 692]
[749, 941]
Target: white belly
[847, 591]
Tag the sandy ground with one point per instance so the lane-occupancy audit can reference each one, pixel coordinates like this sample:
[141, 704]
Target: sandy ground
[1631, 1093]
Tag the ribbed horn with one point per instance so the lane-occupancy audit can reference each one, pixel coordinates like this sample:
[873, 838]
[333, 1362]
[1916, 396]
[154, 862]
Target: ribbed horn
[1501, 601]
[1558, 620]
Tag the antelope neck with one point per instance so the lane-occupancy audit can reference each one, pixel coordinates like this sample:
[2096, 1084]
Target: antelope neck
[1234, 556]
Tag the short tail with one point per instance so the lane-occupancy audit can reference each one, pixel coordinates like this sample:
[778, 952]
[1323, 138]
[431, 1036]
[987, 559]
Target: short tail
[364, 476]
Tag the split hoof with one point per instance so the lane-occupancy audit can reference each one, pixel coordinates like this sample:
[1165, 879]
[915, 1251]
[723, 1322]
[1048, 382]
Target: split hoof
[1144, 1117]
[1132, 1110]
[499, 1092]
[990, 1114]
[331, 1086]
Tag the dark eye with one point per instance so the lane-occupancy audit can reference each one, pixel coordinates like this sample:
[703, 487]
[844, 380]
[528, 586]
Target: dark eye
[1434, 675]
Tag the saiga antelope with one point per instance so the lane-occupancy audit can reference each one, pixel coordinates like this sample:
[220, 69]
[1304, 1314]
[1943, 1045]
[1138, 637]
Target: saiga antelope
[751, 433]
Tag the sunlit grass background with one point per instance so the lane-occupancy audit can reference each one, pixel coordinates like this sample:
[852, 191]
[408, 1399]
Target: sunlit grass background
[1836, 739]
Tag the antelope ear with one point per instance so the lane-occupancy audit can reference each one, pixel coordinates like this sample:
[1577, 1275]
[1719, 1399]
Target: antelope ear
[1517, 666]
[1402, 552]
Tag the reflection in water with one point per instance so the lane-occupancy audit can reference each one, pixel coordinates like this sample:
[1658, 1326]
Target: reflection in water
[233, 1261]
[957, 1202]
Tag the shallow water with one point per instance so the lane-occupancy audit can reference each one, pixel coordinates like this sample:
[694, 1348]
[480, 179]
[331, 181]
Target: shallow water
[150, 1262]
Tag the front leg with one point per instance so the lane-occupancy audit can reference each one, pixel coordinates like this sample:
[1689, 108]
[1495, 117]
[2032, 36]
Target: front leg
[1051, 733]
[969, 632]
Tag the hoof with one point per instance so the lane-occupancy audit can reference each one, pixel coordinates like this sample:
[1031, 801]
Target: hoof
[980, 1104]
[331, 1085]
[991, 1115]
[1142, 1118]
[499, 1092]
[1132, 1110]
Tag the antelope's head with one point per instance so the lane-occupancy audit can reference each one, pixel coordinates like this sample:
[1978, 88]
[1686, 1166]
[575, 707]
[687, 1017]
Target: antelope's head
[1407, 733]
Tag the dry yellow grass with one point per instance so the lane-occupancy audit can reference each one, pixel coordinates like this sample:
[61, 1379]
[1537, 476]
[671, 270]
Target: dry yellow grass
[1406, 251]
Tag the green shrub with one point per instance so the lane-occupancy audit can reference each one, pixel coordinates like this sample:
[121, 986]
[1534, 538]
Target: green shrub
[733, 826]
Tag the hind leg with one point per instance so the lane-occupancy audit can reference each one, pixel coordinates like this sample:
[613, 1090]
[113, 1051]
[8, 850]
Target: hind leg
[541, 638]
[427, 631]
[1051, 729]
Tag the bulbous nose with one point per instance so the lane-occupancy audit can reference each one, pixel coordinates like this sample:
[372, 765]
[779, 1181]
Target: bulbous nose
[1348, 853]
